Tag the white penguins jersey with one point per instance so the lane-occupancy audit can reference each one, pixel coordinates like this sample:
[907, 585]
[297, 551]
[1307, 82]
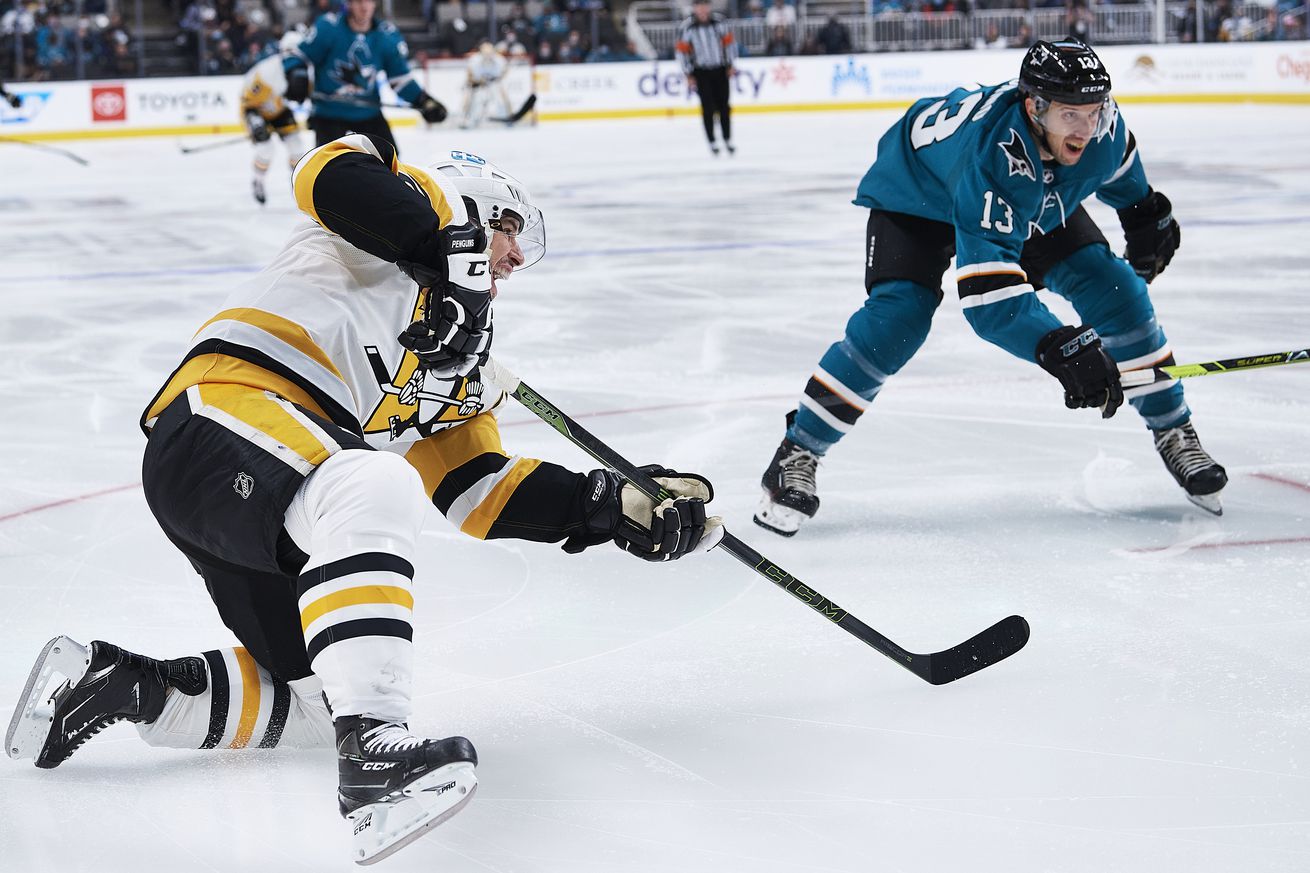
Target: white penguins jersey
[485, 69]
[324, 315]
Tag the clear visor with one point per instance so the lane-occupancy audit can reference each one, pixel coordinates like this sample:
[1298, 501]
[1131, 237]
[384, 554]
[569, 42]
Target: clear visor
[523, 223]
[1088, 121]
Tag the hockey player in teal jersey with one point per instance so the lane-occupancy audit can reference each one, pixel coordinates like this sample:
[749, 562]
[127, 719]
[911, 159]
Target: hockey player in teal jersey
[347, 54]
[996, 177]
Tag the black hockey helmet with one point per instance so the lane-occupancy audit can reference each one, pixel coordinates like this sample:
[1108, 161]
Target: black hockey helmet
[1067, 71]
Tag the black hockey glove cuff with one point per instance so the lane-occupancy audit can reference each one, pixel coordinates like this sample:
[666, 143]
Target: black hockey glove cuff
[297, 85]
[1089, 375]
[615, 510]
[430, 108]
[1151, 233]
[258, 127]
[14, 100]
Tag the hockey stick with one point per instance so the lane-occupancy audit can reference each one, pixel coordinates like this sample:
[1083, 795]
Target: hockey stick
[522, 111]
[46, 148]
[998, 642]
[1136, 378]
[224, 143]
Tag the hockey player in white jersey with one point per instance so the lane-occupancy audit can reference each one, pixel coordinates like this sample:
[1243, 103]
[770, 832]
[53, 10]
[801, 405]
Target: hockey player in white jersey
[485, 85]
[265, 112]
[292, 457]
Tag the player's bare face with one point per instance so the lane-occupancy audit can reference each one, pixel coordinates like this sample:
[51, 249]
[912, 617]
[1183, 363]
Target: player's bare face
[361, 14]
[1069, 129]
[506, 256]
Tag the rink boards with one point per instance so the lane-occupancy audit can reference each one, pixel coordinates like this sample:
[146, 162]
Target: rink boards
[1277, 72]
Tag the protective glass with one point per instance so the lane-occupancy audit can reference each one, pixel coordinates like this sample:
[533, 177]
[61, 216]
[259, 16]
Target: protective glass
[1091, 121]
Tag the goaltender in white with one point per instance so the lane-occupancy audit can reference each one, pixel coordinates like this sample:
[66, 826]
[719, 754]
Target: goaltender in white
[292, 457]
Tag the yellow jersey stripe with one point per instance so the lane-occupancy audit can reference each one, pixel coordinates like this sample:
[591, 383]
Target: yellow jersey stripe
[435, 456]
[307, 174]
[361, 595]
[249, 699]
[217, 369]
[479, 521]
[436, 196]
[283, 328]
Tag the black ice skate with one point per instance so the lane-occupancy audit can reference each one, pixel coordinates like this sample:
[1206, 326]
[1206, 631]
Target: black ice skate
[1192, 467]
[101, 685]
[395, 787]
[790, 492]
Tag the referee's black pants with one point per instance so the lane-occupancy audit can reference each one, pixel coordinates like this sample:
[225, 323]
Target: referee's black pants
[712, 85]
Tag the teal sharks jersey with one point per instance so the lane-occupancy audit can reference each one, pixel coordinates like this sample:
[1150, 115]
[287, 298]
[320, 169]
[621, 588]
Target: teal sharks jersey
[347, 64]
[970, 160]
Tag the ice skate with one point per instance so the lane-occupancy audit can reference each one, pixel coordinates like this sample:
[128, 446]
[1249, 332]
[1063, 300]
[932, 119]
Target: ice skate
[714, 149]
[101, 684]
[789, 490]
[257, 188]
[1192, 467]
[395, 787]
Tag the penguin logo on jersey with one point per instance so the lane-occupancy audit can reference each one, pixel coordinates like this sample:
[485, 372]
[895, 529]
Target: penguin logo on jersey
[356, 71]
[1016, 154]
[413, 399]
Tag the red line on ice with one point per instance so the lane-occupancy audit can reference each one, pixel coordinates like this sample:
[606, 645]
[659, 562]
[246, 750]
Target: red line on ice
[67, 500]
[1270, 477]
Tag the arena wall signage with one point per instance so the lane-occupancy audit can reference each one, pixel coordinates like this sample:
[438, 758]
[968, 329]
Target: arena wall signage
[1271, 72]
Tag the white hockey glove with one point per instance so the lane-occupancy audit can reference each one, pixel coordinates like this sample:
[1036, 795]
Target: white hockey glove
[454, 335]
[617, 511]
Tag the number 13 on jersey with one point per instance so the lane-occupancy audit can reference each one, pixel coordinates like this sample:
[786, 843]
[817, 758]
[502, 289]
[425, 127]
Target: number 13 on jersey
[1003, 225]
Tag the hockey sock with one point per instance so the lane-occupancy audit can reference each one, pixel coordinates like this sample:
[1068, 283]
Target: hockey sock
[263, 156]
[242, 706]
[880, 337]
[358, 517]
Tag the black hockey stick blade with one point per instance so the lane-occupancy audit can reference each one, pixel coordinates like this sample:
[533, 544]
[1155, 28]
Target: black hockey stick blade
[522, 111]
[997, 643]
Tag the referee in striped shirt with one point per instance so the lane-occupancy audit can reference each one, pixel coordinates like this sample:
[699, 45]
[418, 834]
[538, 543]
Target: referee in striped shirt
[707, 51]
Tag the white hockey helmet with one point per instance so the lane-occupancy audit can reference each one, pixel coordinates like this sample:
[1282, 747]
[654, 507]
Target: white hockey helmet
[290, 41]
[491, 195]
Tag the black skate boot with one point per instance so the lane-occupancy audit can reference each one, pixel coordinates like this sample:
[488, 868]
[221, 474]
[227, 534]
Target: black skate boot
[394, 786]
[790, 492]
[1191, 466]
[103, 684]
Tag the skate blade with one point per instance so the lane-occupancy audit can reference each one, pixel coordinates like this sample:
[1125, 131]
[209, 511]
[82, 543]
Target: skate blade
[1209, 502]
[782, 520]
[30, 726]
[382, 829]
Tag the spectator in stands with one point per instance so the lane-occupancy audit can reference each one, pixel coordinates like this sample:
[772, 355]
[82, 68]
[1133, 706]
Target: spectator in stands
[1022, 39]
[573, 50]
[1187, 24]
[780, 43]
[520, 26]
[780, 15]
[88, 44]
[223, 61]
[834, 38]
[754, 9]
[1078, 20]
[456, 37]
[992, 39]
[54, 53]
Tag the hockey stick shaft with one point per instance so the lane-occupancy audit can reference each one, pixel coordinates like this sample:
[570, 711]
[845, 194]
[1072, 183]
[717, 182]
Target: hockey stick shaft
[40, 146]
[996, 643]
[224, 143]
[1135, 378]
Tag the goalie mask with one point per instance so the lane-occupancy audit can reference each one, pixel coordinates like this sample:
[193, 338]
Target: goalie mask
[496, 200]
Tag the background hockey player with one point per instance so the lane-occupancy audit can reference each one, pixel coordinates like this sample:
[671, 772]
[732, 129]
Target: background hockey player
[292, 457]
[485, 85]
[347, 54]
[996, 176]
[266, 112]
[706, 50]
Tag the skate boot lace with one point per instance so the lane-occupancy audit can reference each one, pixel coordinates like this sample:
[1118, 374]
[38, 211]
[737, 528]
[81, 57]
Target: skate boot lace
[798, 471]
[390, 737]
[1181, 449]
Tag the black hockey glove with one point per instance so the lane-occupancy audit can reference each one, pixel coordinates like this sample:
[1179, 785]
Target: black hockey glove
[1151, 233]
[297, 85]
[258, 127]
[431, 109]
[14, 100]
[615, 510]
[454, 335]
[1089, 375]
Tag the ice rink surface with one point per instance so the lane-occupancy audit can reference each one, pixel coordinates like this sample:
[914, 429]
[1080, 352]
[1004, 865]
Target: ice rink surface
[691, 717]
